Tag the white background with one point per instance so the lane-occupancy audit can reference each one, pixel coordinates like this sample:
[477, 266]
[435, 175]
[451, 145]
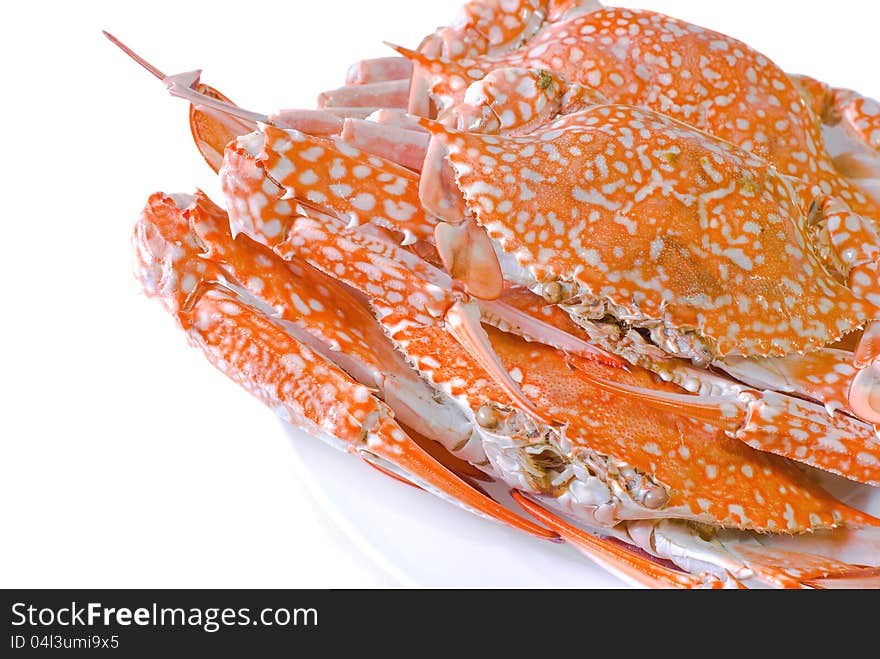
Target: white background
[126, 459]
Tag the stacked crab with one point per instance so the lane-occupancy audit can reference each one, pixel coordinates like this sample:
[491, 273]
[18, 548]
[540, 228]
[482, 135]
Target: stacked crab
[625, 265]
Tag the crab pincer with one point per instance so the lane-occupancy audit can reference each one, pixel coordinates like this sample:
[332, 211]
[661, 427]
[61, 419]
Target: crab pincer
[255, 349]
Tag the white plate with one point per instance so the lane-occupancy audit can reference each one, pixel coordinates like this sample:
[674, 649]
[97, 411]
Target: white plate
[422, 541]
[425, 542]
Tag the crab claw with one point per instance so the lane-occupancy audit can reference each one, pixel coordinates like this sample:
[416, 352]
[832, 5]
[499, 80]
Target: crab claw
[434, 81]
[467, 253]
[438, 192]
[861, 114]
[464, 247]
[292, 375]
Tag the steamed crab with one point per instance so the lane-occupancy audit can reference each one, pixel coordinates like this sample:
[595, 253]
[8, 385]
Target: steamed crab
[822, 141]
[453, 305]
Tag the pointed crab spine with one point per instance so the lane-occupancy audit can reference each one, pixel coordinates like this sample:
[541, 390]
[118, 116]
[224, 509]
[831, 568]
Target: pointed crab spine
[712, 559]
[385, 94]
[823, 376]
[214, 120]
[407, 147]
[777, 561]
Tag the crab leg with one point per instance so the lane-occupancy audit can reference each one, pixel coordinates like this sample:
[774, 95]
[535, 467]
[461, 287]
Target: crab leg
[617, 555]
[258, 352]
[737, 559]
[308, 168]
[514, 101]
[485, 26]
[324, 123]
[824, 376]
[828, 454]
[216, 121]
[385, 94]
[511, 101]
[562, 391]
[313, 395]
[359, 257]
[407, 148]
[780, 424]
[859, 114]
[380, 69]
[335, 324]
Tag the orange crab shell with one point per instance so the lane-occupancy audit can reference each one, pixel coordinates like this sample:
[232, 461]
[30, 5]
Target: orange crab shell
[708, 476]
[693, 74]
[711, 476]
[666, 222]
